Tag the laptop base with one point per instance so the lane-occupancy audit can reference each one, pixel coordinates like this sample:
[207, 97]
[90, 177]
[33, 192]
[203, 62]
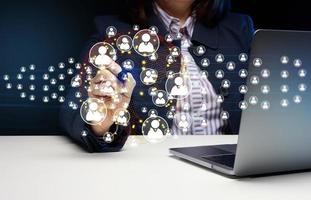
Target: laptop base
[218, 157]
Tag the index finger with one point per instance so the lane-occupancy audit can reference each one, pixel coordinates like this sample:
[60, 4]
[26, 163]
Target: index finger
[114, 68]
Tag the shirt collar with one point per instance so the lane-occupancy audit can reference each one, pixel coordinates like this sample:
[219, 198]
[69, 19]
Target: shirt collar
[170, 21]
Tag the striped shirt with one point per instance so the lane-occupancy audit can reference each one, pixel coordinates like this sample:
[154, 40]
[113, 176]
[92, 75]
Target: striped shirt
[200, 106]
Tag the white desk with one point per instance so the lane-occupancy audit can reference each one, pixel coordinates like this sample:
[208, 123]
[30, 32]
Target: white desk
[52, 168]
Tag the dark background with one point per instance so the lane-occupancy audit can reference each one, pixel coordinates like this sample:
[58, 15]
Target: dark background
[49, 31]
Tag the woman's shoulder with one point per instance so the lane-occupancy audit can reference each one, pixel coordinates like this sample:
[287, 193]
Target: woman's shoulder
[237, 20]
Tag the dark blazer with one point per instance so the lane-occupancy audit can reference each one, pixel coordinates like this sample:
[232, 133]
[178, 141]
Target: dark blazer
[231, 36]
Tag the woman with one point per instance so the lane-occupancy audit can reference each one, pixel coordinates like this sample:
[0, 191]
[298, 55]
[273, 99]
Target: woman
[209, 38]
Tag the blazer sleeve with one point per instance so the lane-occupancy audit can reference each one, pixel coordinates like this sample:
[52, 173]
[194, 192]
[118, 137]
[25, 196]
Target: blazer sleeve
[80, 132]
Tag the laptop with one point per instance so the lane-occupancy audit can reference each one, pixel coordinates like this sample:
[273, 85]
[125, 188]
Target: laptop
[275, 128]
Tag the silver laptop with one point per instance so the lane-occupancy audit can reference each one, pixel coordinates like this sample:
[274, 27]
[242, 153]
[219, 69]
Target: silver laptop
[275, 126]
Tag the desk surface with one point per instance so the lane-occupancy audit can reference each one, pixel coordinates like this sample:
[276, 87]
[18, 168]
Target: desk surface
[53, 168]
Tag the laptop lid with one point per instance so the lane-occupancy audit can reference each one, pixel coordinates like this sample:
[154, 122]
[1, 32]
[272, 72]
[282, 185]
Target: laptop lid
[275, 126]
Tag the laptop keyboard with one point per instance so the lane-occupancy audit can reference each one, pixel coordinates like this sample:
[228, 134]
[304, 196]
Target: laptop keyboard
[226, 160]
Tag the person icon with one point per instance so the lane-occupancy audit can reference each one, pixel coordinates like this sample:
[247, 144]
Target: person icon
[23, 69]
[179, 36]
[136, 27]
[153, 113]
[170, 59]
[144, 110]
[265, 89]
[284, 60]
[220, 74]
[220, 58]
[108, 137]
[6, 77]
[155, 132]
[302, 87]
[186, 106]
[204, 74]
[170, 115]
[93, 115]
[253, 100]
[45, 99]
[226, 84]
[297, 63]
[88, 70]
[152, 91]
[32, 87]
[45, 88]
[149, 77]
[265, 73]
[243, 105]
[243, 73]
[154, 30]
[243, 57]
[220, 99]
[200, 50]
[23, 95]
[8, 86]
[160, 100]
[53, 81]
[76, 81]
[205, 62]
[153, 57]
[284, 103]
[183, 123]
[284, 74]
[125, 44]
[175, 52]
[224, 115]
[54, 96]
[257, 62]
[204, 123]
[146, 46]
[302, 73]
[102, 59]
[32, 97]
[121, 118]
[254, 80]
[19, 76]
[78, 94]
[107, 88]
[169, 38]
[265, 105]
[61, 88]
[128, 64]
[70, 71]
[203, 107]
[61, 77]
[111, 31]
[297, 99]
[179, 89]
[284, 88]
[230, 66]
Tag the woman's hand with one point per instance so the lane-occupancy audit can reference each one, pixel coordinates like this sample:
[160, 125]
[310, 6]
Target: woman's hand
[119, 98]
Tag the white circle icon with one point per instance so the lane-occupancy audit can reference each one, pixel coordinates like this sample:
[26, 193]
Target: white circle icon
[146, 42]
[124, 43]
[93, 111]
[102, 54]
[160, 99]
[155, 129]
[149, 76]
[178, 86]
